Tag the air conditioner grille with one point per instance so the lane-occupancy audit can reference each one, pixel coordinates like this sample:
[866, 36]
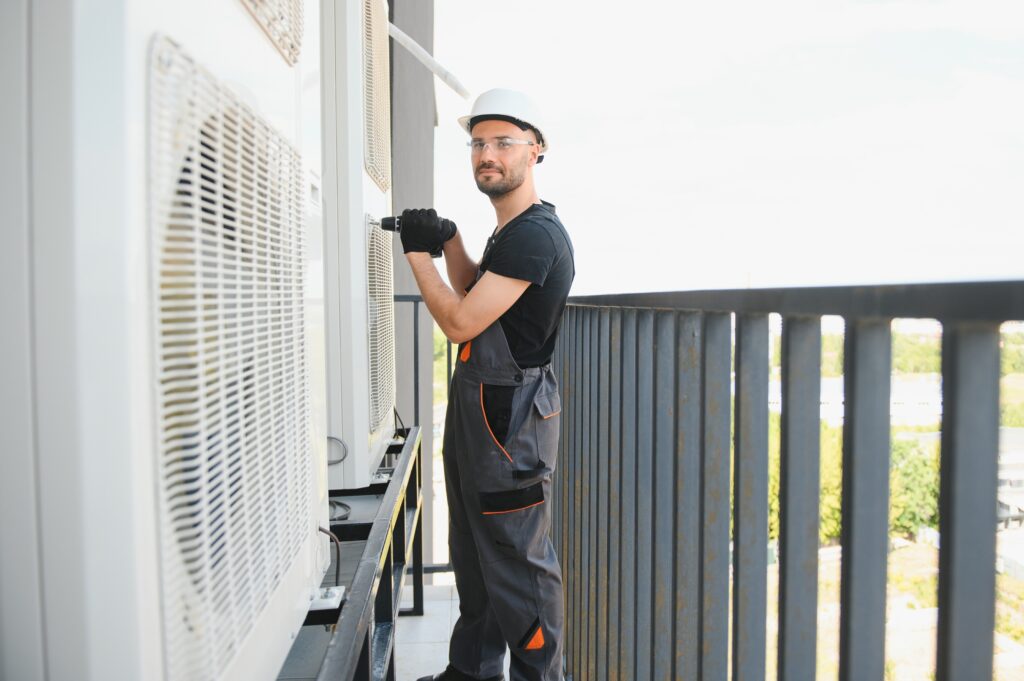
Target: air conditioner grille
[381, 324]
[376, 93]
[233, 433]
[281, 20]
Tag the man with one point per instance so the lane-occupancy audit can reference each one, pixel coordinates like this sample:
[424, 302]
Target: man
[501, 431]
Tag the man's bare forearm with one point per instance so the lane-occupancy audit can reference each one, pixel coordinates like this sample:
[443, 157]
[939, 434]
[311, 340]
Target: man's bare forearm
[462, 318]
[461, 268]
[441, 301]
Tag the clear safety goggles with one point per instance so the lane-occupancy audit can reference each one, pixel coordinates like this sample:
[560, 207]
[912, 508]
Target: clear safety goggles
[500, 145]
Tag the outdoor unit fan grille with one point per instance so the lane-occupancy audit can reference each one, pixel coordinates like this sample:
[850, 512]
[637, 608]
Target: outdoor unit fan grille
[381, 323]
[281, 20]
[233, 433]
[376, 93]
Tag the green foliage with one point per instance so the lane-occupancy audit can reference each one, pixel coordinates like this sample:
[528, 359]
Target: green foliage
[1012, 415]
[915, 354]
[440, 365]
[830, 509]
[913, 487]
[440, 345]
[832, 355]
[914, 472]
[774, 424]
[1012, 353]
[923, 588]
[1008, 625]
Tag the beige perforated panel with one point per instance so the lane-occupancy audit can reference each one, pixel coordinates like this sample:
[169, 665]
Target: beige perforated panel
[380, 323]
[232, 439]
[281, 20]
[377, 93]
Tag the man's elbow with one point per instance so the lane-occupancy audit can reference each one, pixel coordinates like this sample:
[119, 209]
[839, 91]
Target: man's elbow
[457, 336]
[459, 331]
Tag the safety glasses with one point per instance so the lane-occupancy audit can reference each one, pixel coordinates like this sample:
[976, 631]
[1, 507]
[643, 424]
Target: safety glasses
[499, 145]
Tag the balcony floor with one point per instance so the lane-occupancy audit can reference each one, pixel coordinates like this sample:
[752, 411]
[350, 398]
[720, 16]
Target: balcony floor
[421, 643]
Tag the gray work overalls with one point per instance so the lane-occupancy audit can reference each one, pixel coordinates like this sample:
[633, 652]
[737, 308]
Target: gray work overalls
[499, 494]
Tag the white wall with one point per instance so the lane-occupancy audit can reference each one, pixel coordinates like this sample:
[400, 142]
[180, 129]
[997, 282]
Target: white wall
[412, 123]
[21, 633]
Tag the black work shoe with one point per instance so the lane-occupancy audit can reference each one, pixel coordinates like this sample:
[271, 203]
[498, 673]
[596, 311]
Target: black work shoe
[453, 674]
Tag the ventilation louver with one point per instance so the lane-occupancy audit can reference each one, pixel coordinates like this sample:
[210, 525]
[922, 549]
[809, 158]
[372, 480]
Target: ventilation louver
[380, 323]
[281, 20]
[377, 93]
[230, 369]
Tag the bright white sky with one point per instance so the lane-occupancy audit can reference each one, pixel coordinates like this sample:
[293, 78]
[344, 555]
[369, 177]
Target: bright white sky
[705, 144]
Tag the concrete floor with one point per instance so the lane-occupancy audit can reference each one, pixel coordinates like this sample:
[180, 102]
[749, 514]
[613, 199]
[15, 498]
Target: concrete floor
[421, 643]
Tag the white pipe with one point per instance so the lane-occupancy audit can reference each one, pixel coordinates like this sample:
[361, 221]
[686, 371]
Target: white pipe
[424, 57]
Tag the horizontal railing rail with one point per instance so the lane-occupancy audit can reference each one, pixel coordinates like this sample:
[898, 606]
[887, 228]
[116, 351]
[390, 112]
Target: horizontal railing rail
[665, 438]
[969, 301]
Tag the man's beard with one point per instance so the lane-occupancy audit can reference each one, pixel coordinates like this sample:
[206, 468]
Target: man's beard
[509, 181]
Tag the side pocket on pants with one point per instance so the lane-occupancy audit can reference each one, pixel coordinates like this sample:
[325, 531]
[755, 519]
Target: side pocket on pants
[511, 518]
[548, 407]
[510, 501]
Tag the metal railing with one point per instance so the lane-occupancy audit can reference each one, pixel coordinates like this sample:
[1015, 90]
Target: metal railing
[644, 483]
[389, 526]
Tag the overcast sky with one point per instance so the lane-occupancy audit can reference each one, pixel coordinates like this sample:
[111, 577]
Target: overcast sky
[707, 144]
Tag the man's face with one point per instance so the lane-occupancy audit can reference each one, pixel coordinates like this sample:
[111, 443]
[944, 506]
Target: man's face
[498, 171]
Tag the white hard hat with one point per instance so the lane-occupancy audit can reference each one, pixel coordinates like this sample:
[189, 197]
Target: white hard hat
[504, 104]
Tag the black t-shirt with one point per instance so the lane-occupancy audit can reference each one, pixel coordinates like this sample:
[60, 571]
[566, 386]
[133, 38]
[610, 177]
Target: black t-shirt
[534, 247]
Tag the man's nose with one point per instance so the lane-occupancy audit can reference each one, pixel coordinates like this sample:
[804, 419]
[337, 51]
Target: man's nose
[487, 153]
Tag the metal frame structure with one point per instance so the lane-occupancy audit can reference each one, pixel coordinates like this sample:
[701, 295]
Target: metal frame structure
[362, 646]
[642, 505]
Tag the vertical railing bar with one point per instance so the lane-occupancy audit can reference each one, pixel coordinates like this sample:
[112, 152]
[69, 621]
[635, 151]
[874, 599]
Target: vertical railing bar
[798, 497]
[594, 506]
[614, 494]
[569, 578]
[591, 466]
[967, 501]
[716, 480]
[567, 465]
[751, 517]
[589, 492]
[567, 468]
[579, 664]
[665, 427]
[565, 461]
[558, 362]
[604, 509]
[865, 501]
[686, 547]
[645, 485]
[630, 414]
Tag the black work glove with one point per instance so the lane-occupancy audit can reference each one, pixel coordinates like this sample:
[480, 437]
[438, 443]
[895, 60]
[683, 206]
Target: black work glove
[422, 231]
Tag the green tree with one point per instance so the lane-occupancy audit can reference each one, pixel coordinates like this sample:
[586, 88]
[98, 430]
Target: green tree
[831, 472]
[832, 355]
[915, 354]
[1012, 353]
[913, 487]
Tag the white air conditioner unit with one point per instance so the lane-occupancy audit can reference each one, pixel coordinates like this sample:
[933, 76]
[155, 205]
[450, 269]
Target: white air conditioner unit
[359, 295]
[187, 468]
